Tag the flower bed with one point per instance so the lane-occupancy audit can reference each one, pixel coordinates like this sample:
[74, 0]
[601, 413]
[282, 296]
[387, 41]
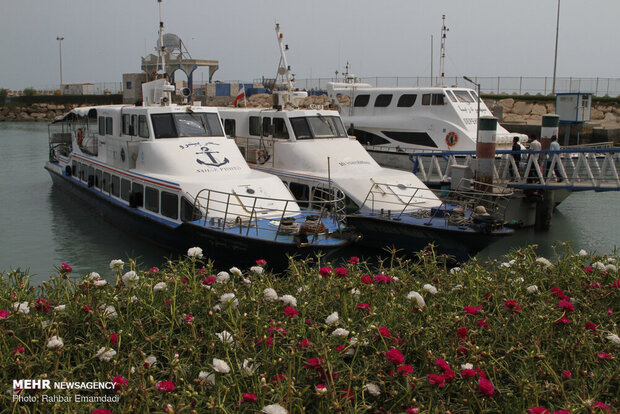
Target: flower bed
[525, 335]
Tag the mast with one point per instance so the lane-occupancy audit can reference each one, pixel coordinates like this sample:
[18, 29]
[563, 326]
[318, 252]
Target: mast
[444, 30]
[161, 49]
[284, 69]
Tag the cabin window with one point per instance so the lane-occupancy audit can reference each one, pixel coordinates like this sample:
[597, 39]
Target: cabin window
[406, 100]
[314, 127]
[134, 122]
[108, 126]
[143, 128]
[438, 99]
[169, 205]
[279, 128]
[361, 100]
[426, 99]
[254, 125]
[266, 127]
[125, 189]
[196, 124]
[82, 171]
[301, 193]
[383, 100]
[450, 95]
[163, 126]
[136, 196]
[475, 95]
[74, 169]
[115, 186]
[98, 175]
[101, 125]
[126, 122]
[230, 127]
[105, 183]
[188, 213]
[151, 199]
[463, 96]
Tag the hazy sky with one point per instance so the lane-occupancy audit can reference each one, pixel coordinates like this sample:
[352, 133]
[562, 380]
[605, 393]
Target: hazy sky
[106, 38]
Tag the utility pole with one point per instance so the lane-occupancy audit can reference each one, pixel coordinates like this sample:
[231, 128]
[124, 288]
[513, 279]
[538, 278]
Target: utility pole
[60, 39]
[555, 59]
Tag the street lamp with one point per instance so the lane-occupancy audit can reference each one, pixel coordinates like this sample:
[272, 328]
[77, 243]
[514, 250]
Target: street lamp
[555, 59]
[478, 118]
[60, 39]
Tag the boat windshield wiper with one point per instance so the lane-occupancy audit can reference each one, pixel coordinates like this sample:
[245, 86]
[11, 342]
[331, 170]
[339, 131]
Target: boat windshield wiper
[326, 122]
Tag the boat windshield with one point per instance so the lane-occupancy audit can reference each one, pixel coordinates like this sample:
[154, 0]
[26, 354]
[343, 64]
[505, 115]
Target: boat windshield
[196, 124]
[317, 127]
[463, 96]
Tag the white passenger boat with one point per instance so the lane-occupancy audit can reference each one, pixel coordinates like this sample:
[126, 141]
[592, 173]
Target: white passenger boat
[168, 173]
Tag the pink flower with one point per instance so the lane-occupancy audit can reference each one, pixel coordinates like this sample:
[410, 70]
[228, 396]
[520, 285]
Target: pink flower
[485, 387]
[120, 381]
[325, 271]
[366, 279]
[314, 363]
[18, 350]
[341, 272]
[512, 304]
[363, 306]
[189, 319]
[562, 321]
[591, 326]
[384, 332]
[290, 312]
[382, 279]
[278, 377]
[277, 330]
[538, 410]
[354, 260]
[604, 356]
[268, 342]
[209, 280]
[261, 262]
[42, 305]
[86, 308]
[602, 406]
[566, 305]
[588, 269]
[395, 356]
[165, 386]
[468, 373]
[4, 314]
[304, 343]
[101, 411]
[616, 284]
[438, 380]
[413, 410]
[65, 268]
[153, 270]
[566, 374]
[247, 397]
[472, 310]
[405, 369]
[114, 338]
[462, 332]
[320, 388]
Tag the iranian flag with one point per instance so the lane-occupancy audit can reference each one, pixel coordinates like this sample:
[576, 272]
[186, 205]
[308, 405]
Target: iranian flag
[240, 95]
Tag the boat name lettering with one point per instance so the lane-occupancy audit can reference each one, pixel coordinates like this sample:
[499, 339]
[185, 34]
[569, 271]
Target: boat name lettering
[344, 163]
[210, 170]
[195, 144]
[469, 121]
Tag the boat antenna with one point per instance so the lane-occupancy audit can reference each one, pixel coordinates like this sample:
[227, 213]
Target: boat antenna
[444, 31]
[161, 48]
[284, 70]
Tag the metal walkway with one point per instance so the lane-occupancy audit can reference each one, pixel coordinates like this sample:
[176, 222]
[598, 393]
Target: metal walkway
[579, 169]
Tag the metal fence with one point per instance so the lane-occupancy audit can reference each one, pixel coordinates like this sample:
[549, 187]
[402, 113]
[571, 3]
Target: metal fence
[499, 85]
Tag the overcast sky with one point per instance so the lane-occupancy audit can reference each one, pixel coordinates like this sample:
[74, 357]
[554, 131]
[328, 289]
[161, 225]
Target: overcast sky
[106, 38]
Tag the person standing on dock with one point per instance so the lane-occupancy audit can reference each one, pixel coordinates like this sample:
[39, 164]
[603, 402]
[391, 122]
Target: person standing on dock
[554, 146]
[517, 157]
[535, 145]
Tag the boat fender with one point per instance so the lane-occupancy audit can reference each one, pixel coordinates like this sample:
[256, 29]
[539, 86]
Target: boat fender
[68, 171]
[80, 136]
[452, 138]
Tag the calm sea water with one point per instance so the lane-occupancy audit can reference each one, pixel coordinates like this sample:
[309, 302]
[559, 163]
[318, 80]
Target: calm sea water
[42, 227]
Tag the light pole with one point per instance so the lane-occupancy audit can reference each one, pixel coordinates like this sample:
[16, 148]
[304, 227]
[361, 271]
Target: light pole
[555, 59]
[478, 115]
[60, 39]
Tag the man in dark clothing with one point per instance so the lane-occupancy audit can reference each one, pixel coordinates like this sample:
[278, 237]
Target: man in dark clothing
[517, 157]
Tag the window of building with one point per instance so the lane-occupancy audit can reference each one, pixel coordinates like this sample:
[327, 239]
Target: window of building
[143, 128]
[406, 100]
[169, 205]
[115, 186]
[101, 125]
[266, 127]
[105, 183]
[254, 125]
[279, 128]
[128, 85]
[230, 127]
[438, 99]
[125, 189]
[108, 126]
[426, 99]
[361, 100]
[383, 100]
[151, 199]
[301, 193]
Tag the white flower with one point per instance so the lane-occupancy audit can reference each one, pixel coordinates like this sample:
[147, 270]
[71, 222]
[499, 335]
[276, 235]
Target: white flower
[133, 299]
[159, 287]
[150, 361]
[257, 269]
[248, 368]
[582, 252]
[105, 354]
[372, 389]
[217, 308]
[229, 300]
[332, 319]
[289, 300]
[270, 295]
[320, 390]
[532, 289]
[430, 289]
[220, 366]
[130, 277]
[614, 338]
[194, 252]
[117, 264]
[23, 307]
[93, 276]
[100, 282]
[455, 270]
[60, 308]
[544, 262]
[109, 311]
[207, 376]
[611, 260]
[274, 409]
[413, 295]
[611, 268]
[247, 281]
[45, 324]
[225, 337]
[222, 277]
[235, 271]
[598, 265]
[55, 343]
[340, 332]
[355, 291]
[457, 287]
[467, 366]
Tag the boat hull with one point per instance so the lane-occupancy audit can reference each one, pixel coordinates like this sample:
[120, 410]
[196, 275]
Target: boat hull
[224, 247]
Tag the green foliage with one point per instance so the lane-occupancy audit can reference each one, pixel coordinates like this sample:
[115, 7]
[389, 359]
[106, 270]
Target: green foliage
[29, 92]
[3, 95]
[188, 316]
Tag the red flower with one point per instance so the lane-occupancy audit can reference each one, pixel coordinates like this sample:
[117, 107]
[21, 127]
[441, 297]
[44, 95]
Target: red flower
[462, 332]
[566, 305]
[468, 373]
[485, 387]
[209, 280]
[616, 284]
[354, 260]
[119, 381]
[101, 411]
[278, 377]
[346, 393]
[381, 279]
[325, 271]
[114, 338]
[438, 380]
[472, 310]
[538, 410]
[304, 343]
[86, 308]
[566, 374]
[442, 364]
[18, 350]
[65, 268]
[268, 342]
[462, 351]
[604, 356]
[189, 319]
[591, 326]
[4, 314]
[512, 304]
[602, 406]
[366, 279]
[482, 324]
[165, 386]
[588, 269]
[405, 369]
[341, 272]
[247, 397]
[562, 321]
[449, 375]
[557, 292]
[314, 363]
[153, 270]
[290, 312]
[363, 306]
[42, 305]
[413, 410]
[261, 262]
[278, 330]
[561, 412]
[395, 356]
[384, 332]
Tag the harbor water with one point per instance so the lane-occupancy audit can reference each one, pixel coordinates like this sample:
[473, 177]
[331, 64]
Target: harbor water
[42, 227]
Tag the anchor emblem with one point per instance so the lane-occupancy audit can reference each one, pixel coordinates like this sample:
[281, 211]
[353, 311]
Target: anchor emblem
[214, 162]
